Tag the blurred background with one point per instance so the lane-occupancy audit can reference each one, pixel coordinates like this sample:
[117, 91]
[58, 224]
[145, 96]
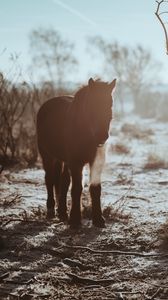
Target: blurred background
[52, 47]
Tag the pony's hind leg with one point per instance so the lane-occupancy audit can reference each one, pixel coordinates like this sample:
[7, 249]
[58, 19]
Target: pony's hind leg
[95, 187]
[57, 178]
[48, 165]
[75, 214]
[64, 186]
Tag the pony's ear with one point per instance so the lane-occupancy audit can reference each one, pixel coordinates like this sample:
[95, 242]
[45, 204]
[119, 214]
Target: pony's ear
[91, 82]
[112, 84]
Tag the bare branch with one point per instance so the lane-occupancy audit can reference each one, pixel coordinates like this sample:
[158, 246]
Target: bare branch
[89, 281]
[161, 22]
[163, 12]
[116, 252]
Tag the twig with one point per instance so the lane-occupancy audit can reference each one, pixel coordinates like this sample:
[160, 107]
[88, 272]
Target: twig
[74, 263]
[157, 285]
[3, 276]
[89, 281]
[122, 198]
[15, 198]
[66, 279]
[161, 22]
[154, 295]
[19, 281]
[163, 12]
[90, 287]
[139, 198]
[29, 221]
[20, 220]
[117, 252]
[131, 293]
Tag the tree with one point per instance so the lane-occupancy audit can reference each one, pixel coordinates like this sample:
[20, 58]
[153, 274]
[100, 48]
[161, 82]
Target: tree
[134, 67]
[13, 102]
[53, 53]
[163, 24]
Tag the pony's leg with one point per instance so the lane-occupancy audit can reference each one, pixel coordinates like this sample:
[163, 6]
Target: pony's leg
[96, 167]
[95, 193]
[49, 180]
[75, 214]
[64, 185]
[57, 178]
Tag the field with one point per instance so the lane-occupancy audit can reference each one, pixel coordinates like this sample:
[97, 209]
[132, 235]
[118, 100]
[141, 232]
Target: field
[41, 259]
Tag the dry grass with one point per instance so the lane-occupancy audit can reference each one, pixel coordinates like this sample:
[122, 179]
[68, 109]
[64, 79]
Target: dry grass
[119, 149]
[110, 213]
[87, 212]
[155, 162]
[136, 132]
[37, 213]
[113, 214]
[11, 200]
[124, 179]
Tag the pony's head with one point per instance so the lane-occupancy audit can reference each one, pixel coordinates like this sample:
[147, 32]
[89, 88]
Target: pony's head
[100, 103]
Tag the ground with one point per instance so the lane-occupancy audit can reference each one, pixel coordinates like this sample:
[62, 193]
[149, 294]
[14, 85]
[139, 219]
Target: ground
[128, 259]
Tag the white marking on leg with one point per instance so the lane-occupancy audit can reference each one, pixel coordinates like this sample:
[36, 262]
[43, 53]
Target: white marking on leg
[97, 166]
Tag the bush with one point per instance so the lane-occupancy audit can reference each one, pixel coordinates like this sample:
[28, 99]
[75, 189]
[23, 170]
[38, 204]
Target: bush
[155, 162]
[18, 108]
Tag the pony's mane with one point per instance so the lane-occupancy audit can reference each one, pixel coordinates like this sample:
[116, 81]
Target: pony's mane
[84, 89]
[81, 92]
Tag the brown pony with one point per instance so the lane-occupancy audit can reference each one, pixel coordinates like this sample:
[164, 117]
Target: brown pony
[69, 131]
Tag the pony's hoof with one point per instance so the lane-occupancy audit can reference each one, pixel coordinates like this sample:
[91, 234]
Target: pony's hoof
[99, 222]
[50, 213]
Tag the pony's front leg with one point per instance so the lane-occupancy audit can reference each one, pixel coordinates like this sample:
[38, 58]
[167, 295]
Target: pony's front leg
[75, 214]
[95, 193]
[64, 185]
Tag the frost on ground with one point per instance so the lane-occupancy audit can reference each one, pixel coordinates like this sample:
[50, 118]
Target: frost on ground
[128, 259]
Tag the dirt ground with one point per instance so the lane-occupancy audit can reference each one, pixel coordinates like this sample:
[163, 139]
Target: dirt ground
[41, 259]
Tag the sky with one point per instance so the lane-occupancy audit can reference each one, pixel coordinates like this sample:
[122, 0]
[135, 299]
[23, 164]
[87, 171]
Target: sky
[130, 22]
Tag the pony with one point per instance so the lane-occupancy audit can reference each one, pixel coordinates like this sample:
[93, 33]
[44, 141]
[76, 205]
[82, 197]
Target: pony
[70, 131]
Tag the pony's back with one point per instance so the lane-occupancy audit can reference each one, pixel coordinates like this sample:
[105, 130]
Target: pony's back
[51, 124]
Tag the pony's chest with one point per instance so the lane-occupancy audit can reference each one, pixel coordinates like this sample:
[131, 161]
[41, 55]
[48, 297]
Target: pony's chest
[80, 149]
